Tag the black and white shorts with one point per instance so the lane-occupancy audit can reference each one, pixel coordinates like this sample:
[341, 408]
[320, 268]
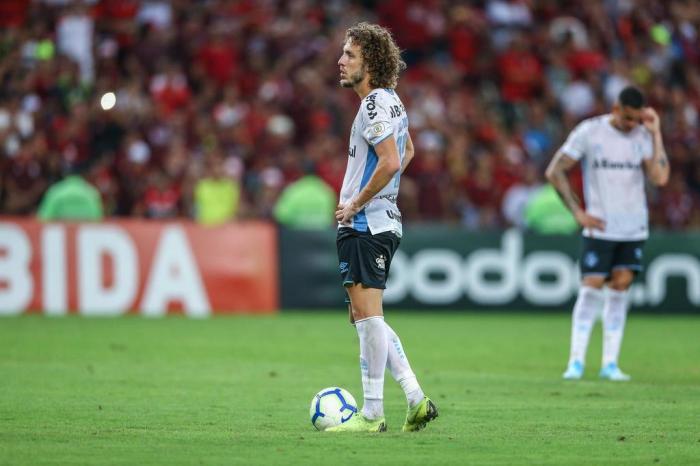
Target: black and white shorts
[365, 258]
[601, 257]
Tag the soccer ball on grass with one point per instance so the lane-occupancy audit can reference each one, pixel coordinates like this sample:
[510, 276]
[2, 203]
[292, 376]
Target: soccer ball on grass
[332, 406]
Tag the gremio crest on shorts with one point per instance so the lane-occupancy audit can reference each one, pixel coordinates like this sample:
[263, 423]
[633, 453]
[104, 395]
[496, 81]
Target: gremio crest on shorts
[638, 253]
[380, 261]
[590, 259]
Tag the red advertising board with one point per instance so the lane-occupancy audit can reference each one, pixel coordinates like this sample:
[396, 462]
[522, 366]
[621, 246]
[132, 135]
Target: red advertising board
[135, 266]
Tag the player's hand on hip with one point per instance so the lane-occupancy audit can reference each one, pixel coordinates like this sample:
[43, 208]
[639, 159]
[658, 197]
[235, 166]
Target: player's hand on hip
[589, 221]
[651, 120]
[345, 212]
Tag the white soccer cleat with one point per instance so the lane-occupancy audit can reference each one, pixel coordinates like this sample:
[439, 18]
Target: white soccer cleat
[574, 371]
[612, 372]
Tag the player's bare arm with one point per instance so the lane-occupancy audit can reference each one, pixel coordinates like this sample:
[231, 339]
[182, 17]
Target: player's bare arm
[557, 175]
[657, 168]
[387, 166]
[408, 155]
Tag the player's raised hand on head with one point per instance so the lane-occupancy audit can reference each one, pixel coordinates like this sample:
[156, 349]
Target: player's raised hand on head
[651, 120]
[589, 221]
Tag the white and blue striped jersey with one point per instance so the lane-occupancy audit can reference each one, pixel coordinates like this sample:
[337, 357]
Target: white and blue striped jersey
[613, 176]
[381, 116]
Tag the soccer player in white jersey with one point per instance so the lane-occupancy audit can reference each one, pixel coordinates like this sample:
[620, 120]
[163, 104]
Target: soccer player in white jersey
[369, 221]
[615, 151]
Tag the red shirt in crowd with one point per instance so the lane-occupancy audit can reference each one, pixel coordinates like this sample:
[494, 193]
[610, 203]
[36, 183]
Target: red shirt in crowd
[162, 201]
[580, 62]
[170, 91]
[13, 13]
[464, 46]
[220, 60]
[521, 75]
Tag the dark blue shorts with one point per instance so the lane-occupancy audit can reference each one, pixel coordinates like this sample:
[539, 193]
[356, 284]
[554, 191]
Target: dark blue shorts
[365, 258]
[601, 257]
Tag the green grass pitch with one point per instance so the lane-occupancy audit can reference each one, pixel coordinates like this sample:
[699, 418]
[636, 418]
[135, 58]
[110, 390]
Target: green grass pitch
[236, 390]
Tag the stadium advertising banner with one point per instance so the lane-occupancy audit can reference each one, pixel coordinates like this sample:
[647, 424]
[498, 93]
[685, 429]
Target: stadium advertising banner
[132, 266]
[450, 268]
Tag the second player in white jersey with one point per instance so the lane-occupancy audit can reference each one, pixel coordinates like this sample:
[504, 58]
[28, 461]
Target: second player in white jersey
[618, 152]
[381, 115]
[613, 176]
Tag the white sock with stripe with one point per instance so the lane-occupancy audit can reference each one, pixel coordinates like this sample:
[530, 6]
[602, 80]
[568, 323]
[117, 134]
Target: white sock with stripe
[614, 317]
[401, 371]
[586, 311]
[373, 359]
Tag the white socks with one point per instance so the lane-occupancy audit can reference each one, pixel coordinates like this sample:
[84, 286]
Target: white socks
[588, 305]
[374, 350]
[586, 309]
[614, 315]
[397, 362]
[380, 348]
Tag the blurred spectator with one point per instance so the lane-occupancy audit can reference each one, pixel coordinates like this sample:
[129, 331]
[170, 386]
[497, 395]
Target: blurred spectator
[507, 16]
[679, 202]
[216, 195]
[72, 198]
[16, 124]
[307, 203]
[481, 197]
[520, 71]
[539, 132]
[430, 177]
[545, 213]
[219, 57]
[155, 13]
[74, 34]
[169, 88]
[161, 197]
[24, 178]
[517, 198]
[578, 100]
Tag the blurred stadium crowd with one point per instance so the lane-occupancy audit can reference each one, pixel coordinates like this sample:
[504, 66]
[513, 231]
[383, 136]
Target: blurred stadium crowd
[248, 90]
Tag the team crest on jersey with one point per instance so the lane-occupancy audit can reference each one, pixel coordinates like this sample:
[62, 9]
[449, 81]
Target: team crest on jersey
[380, 261]
[638, 253]
[638, 150]
[591, 259]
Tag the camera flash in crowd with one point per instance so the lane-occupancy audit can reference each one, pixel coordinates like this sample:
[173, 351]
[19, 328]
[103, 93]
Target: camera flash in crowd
[108, 100]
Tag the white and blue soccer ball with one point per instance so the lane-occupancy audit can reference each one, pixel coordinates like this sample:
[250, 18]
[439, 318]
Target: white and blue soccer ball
[331, 407]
